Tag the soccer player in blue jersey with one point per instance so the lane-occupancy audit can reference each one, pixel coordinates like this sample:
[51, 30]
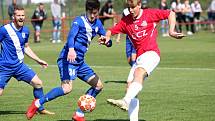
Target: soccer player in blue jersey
[14, 44]
[130, 51]
[71, 61]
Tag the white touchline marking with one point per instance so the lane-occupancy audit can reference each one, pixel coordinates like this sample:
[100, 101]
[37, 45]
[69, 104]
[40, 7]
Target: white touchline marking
[159, 68]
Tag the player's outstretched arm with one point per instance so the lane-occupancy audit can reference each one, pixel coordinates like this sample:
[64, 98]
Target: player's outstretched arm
[105, 40]
[29, 52]
[172, 24]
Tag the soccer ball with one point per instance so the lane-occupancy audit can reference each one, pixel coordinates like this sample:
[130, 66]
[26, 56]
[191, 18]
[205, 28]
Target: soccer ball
[87, 103]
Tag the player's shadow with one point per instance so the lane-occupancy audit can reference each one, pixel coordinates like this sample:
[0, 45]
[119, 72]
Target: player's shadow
[112, 120]
[104, 120]
[122, 82]
[64, 120]
[11, 112]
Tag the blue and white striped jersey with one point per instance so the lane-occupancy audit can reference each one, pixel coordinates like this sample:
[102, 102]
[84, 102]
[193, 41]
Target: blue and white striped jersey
[80, 36]
[12, 44]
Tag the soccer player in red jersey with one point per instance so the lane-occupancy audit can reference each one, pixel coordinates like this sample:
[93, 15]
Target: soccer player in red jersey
[140, 26]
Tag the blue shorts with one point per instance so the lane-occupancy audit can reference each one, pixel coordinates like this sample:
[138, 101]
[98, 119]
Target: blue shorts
[129, 47]
[70, 71]
[21, 72]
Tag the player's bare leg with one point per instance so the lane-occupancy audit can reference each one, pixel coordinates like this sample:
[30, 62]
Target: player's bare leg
[1, 91]
[38, 93]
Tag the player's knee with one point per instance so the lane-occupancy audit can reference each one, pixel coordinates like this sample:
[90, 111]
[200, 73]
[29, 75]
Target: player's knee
[1, 92]
[140, 74]
[99, 85]
[37, 85]
[94, 81]
[36, 82]
[37, 33]
[67, 87]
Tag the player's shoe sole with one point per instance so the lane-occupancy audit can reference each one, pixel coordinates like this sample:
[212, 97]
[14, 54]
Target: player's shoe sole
[75, 117]
[32, 109]
[119, 103]
[46, 112]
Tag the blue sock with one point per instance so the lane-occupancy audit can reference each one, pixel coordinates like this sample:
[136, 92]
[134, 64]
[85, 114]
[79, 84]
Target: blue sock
[93, 92]
[54, 93]
[132, 63]
[38, 93]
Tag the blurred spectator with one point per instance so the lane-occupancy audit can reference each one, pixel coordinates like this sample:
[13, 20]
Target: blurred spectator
[164, 23]
[211, 15]
[37, 21]
[11, 9]
[197, 9]
[107, 12]
[144, 4]
[56, 19]
[176, 6]
[189, 20]
[63, 6]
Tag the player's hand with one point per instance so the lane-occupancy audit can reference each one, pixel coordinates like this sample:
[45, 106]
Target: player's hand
[102, 40]
[43, 63]
[71, 55]
[177, 35]
[41, 18]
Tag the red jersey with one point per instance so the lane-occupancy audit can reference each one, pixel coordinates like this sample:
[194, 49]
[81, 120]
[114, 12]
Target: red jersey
[142, 31]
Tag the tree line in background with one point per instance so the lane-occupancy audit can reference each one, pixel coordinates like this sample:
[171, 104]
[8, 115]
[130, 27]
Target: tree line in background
[75, 7]
[120, 4]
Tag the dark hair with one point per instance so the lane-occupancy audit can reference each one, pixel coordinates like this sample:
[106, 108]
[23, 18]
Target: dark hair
[17, 7]
[92, 4]
[109, 1]
[41, 4]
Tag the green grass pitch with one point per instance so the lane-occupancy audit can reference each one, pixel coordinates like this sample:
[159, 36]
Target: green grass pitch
[181, 88]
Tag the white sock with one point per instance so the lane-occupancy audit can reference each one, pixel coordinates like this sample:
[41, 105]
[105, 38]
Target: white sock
[37, 103]
[133, 109]
[79, 112]
[132, 91]
[131, 75]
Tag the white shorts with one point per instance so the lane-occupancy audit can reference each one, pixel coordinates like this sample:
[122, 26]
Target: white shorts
[148, 60]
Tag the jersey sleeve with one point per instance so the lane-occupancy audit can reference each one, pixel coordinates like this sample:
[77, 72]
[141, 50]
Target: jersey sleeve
[158, 14]
[27, 35]
[37, 14]
[72, 33]
[101, 30]
[119, 27]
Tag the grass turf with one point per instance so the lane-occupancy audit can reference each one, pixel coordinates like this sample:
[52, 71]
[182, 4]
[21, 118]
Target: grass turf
[180, 89]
